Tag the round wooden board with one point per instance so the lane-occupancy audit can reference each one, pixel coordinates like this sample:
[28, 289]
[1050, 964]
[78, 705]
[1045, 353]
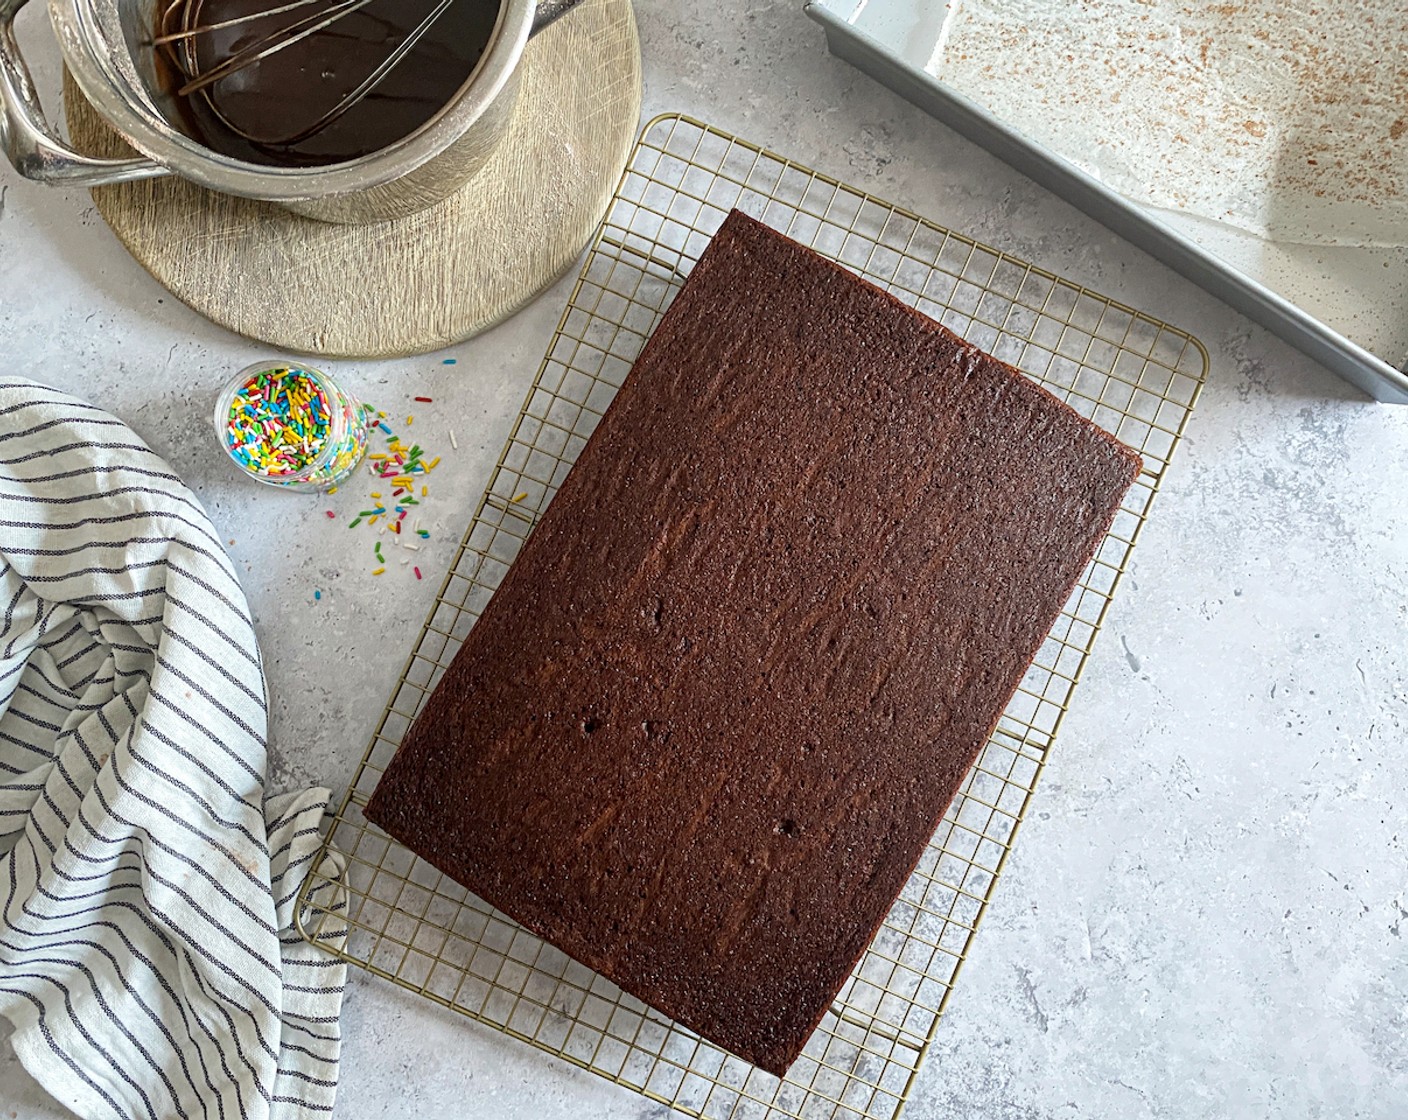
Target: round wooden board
[418, 283]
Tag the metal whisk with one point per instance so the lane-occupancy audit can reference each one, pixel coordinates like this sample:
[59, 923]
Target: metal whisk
[179, 31]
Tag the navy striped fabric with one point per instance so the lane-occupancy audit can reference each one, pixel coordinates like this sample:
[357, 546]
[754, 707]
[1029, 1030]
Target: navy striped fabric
[148, 960]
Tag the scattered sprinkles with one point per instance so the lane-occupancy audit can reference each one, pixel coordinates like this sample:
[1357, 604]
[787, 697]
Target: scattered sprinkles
[401, 467]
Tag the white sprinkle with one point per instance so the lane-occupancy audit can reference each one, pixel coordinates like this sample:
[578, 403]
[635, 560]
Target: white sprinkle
[406, 561]
[453, 442]
[412, 547]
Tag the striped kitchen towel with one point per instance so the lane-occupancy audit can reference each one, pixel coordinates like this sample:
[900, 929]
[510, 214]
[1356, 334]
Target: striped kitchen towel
[149, 962]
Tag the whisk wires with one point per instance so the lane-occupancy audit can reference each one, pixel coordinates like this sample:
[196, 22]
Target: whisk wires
[180, 34]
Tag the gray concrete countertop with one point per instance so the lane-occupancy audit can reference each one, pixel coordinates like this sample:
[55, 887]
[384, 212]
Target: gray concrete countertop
[1207, 914]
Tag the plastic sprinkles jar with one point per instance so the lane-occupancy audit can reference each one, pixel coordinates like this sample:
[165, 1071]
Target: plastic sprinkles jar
[291, 426]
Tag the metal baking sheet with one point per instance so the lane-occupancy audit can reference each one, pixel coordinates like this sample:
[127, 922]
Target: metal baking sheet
[1342, 300]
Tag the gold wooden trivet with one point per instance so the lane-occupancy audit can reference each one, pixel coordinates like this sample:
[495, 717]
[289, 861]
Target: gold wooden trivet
[422, 282]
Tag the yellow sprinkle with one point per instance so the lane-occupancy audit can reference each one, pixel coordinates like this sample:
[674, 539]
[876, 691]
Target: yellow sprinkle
[378, 571]
[375, 494]
[373, 520]
[378, 456]
[403, 480]
[382, 415]
[409, 420]
[424, 490]
[332, 489]
[435, 462]
[520, 497]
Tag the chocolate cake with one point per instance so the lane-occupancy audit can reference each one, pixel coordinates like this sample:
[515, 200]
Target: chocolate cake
[715, 711]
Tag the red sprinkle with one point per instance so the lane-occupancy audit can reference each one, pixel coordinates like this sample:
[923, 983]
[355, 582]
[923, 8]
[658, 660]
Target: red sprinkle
[425, 400]
[331, 514]
[417, 573]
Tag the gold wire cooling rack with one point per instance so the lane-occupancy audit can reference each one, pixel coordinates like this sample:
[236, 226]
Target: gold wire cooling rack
[1135, 376]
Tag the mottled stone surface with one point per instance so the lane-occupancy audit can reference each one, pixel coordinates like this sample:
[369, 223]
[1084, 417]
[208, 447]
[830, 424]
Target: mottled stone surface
[1207, 914]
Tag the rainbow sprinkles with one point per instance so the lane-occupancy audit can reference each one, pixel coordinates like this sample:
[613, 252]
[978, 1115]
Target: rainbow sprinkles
[402, 472]
[293, 427]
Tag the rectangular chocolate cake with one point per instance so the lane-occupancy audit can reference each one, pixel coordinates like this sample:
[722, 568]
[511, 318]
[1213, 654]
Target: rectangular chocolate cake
[705, 728]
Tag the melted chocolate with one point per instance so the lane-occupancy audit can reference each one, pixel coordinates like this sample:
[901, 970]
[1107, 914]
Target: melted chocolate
[276, 111]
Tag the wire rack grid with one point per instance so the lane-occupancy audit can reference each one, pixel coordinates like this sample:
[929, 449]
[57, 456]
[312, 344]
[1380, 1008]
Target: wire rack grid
[1137, 377]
